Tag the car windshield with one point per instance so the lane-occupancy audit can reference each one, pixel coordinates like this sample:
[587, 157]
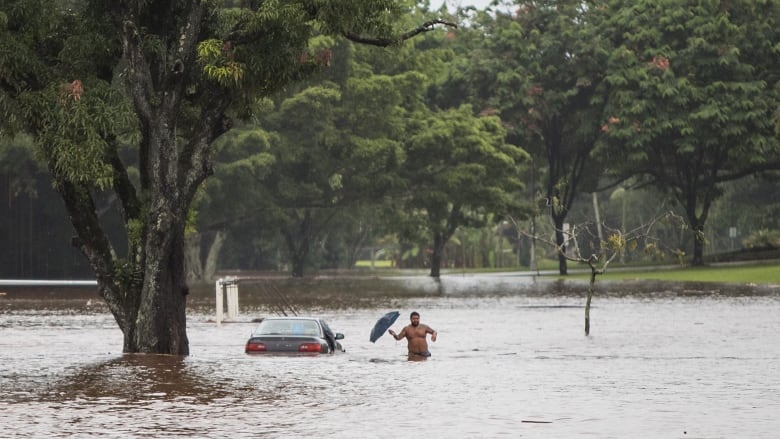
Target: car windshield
[288, 327]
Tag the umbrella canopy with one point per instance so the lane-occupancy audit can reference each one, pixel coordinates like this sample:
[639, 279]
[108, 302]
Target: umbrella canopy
[383, 324]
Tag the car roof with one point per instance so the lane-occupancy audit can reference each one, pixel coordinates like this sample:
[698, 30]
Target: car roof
[291, 318]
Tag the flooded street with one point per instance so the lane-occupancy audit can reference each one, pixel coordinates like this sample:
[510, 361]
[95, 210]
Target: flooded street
[511, 360]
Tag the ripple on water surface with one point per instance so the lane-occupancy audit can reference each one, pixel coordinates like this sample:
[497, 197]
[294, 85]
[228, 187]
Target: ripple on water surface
[509, 362]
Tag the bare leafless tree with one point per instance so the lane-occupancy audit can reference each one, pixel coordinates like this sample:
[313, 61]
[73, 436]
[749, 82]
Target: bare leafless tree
[614, 243]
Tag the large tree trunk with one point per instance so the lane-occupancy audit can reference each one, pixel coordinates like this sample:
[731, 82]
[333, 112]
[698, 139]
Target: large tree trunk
[146, 292]
[697, 223]
[161, 325]
[438, 248]
[173, 161]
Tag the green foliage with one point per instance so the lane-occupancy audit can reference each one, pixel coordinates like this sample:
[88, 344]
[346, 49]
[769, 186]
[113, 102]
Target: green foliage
[614, 243]
[692, 96]
[686, 82]
[217, 67]
[124, 273]
[75, 128]
[359, 136]
[540, 69]
[135, 230]
[459, 170]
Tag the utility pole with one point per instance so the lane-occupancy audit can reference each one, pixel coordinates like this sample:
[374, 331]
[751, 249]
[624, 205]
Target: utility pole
[532, 263]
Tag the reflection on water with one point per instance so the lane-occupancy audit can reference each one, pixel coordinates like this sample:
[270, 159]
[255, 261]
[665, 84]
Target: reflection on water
[511, 360]
[134, 378]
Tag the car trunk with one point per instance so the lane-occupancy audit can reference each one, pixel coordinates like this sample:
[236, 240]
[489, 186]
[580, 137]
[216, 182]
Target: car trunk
[288, 344]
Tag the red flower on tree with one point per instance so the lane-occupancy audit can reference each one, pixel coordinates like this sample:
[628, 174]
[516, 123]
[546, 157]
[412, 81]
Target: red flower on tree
[611, 121]
[72, 90]
[660, 62]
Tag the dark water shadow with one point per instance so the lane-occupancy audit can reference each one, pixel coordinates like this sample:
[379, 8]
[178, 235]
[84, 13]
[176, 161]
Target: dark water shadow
[141, 378]
[416, 358]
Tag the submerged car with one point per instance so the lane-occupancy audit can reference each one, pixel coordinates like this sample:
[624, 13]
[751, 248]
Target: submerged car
[290, 335]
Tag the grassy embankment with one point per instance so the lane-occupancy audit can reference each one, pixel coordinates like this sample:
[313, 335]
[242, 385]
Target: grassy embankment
[766, 272]
[756, 273]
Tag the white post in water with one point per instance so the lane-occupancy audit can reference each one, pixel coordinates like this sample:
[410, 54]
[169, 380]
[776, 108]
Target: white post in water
[227, 288]
[218, 291]
[232, 299]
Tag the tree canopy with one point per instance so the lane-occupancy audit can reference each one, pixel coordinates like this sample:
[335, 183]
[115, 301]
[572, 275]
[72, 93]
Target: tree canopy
[693, 96]
[459, 172]
[125, 101]
[539, 68]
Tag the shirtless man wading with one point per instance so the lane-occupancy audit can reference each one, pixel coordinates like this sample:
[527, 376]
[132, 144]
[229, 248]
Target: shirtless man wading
[416, 334]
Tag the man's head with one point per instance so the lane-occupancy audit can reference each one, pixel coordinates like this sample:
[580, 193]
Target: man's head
[415, 318]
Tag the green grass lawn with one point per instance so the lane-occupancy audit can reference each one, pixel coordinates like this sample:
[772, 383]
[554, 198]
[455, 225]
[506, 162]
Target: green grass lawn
[748, 273]
[757, 273]
[377, 264]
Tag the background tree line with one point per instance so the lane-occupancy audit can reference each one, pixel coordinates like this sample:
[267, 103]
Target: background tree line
[446, 152]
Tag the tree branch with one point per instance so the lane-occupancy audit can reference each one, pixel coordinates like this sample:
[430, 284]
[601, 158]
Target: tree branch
[92, 241]
[194, 160]
[384, 42]
[184, 66]
[123, 187]
[139, 75]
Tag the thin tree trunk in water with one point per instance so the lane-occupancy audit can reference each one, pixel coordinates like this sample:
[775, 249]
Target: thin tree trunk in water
[587, 302]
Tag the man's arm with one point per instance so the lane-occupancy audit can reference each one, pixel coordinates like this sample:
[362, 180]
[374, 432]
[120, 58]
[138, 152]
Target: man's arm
[397, 336]
[431, 331]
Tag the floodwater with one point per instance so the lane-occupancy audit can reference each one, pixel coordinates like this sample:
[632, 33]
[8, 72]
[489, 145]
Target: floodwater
[512, 360]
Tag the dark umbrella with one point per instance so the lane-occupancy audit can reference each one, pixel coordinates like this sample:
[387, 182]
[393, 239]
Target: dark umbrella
[383, 324]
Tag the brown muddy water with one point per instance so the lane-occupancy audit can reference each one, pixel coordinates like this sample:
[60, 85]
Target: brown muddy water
[662, 361]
